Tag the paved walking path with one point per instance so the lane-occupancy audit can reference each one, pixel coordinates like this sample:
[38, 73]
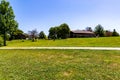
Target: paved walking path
[84, 48]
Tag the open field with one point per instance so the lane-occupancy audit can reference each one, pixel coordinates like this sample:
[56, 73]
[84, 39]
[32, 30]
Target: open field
[87, 42]
[59, 65]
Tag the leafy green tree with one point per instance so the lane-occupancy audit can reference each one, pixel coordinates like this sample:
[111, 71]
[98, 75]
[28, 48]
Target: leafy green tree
[7, 19]
[99, 30]
[53, 33]
[17, 34]
[115, 33]
[58, 32]
[64, 31]
[42, 35]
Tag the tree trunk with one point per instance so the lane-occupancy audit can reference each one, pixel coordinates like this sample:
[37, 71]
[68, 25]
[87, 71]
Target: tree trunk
[4, 38]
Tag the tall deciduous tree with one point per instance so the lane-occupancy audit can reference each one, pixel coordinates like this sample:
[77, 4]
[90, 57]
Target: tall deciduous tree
[64, 30]
[7, 19]
[53, 33]
[99, 30]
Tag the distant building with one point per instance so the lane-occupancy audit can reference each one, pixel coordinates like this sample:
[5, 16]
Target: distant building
[81, 33]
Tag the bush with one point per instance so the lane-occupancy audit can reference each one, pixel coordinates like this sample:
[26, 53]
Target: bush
[1, 41]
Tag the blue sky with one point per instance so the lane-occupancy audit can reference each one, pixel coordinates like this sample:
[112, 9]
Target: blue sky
[78, 14]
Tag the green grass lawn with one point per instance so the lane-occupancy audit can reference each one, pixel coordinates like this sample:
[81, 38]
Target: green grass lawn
[100, 42]
[59, 65]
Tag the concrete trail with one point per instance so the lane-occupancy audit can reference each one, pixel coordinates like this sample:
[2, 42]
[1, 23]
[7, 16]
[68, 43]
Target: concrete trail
[74, 48]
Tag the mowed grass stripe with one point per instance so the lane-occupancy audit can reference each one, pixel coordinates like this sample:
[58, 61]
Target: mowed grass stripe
[59, 65]
[70, 42]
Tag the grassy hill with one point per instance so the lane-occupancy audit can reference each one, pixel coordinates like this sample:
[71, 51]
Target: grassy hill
[59, 65]
[100, 42]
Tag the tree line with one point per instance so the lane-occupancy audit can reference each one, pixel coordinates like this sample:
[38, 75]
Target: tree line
[100, 32]
[59, 32]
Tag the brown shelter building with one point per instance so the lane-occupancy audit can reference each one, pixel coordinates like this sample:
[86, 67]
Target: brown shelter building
[81, 33]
